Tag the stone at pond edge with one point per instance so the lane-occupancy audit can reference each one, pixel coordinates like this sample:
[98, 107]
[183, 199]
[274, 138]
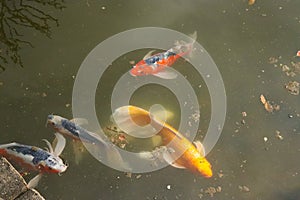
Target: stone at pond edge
[12, 184]
[30, 194]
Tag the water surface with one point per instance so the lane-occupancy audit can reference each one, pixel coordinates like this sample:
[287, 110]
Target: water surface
[240, 39]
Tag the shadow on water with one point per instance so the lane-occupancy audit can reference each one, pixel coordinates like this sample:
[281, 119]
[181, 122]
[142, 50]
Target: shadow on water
[16, 15]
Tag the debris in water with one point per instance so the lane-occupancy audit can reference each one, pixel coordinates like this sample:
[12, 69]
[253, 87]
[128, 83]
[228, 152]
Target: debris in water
[278, 135]
[244, 188]
[285, 68]
[291, 70]
[273, 60]
[132, 62]
[263, 99]
[138, 176]
[196, 116]
[168, 187]
[268, 106]
[290, 116]
[292, 87]
[251, 2]
[1, 83]
[128, 174]
[68, 105]
[265, 139]
[44, 94]
[212, 190]
[244, 114]
[117, 136]
[220, 174]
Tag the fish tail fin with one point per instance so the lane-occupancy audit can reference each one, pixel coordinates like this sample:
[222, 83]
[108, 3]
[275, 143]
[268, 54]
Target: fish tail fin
[186, 47]
[193, 37]
[110, 153]
[190, 47]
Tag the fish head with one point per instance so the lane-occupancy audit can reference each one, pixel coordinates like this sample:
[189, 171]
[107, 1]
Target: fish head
[55, 121]
[53, 164]
[204, 167]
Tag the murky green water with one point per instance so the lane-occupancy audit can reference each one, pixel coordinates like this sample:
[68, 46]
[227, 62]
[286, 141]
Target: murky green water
[240, 39]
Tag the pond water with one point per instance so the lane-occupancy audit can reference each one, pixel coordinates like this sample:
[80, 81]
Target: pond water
[249, 161]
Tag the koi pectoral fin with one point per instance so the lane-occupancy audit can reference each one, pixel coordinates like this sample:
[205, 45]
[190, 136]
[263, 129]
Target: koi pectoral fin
[166, 74]
[60, 144]
[200, 147]
[170, 160]
[34, 182]
[114, 158]
[78, 149]
[110, 154]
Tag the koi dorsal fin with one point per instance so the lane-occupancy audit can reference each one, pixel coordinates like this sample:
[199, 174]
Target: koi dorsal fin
[79, 121]
[148, 55]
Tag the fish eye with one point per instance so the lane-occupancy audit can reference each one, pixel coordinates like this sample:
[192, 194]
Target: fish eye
[52, 123]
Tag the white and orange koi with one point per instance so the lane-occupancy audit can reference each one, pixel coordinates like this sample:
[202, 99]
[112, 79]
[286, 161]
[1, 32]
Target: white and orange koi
[36, 159]
[183, 154]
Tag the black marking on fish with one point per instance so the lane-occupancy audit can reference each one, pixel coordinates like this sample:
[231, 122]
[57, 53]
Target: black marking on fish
[37, 153]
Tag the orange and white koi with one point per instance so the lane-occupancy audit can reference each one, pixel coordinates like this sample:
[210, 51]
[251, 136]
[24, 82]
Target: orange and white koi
[157, 64]
[181, 152]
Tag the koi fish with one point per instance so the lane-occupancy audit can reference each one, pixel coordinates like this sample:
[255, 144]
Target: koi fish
[181, 152]
[36, 159]
[98, 144]
[298, 53]
[157, 64]
[72, 128]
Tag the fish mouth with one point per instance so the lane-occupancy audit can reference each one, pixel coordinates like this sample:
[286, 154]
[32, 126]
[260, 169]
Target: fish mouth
[62, 169]
[49, 120]
[208, 175]
[131, 73]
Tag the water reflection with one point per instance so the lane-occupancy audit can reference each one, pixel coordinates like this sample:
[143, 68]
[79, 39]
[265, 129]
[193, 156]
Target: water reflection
[16, 15]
